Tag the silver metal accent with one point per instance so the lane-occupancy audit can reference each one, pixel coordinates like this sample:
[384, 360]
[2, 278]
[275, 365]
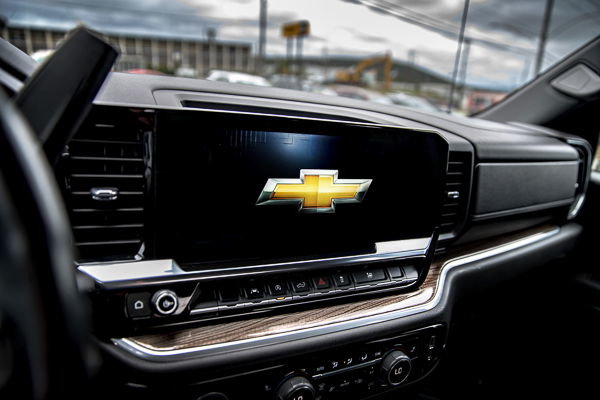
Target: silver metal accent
[196, 311]
[161, 294]
[266, 196]
[104, 193]
[131, 270]
[576, 206]
[235, 306]
[453, 195]
[168, 355]
[138, 273]
[399, 246]
[582, 185]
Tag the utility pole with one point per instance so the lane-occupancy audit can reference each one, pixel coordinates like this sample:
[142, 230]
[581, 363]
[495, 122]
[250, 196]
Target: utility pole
[325, 58]
[539, 59]
[464, 62]
[299, 57]
[412, 56]
[291, 31]
[262, 37]
[289, 54]
[461, 38]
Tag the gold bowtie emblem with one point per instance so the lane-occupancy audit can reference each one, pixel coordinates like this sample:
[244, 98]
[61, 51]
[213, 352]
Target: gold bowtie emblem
[317, 190]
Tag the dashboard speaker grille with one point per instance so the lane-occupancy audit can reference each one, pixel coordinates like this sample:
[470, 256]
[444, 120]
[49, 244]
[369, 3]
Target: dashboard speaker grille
[104, 172]
[456, 195]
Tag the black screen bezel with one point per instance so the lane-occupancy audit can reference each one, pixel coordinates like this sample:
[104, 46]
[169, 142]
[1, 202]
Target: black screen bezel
[169, 119]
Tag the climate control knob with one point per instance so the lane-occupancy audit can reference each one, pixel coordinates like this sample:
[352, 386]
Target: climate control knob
[295, 388]
[165, 302]
[395, 368]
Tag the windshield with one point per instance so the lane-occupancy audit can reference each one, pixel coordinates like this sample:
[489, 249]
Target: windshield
[432, 55]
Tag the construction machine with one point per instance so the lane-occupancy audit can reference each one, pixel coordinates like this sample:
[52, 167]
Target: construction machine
[354, 75]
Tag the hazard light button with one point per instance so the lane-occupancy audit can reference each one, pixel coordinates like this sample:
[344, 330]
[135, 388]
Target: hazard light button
[322, 282]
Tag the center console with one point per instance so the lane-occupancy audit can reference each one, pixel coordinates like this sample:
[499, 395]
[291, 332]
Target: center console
[246, 214]
[346, 372]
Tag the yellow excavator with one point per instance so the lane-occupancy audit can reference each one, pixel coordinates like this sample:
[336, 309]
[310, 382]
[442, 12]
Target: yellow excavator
[353, 76]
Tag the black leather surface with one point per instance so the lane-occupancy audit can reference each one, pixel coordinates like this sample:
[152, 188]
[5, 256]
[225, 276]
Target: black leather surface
[545, 103]
[492, 141]
[58, 96]
[511, 186]
[61, 349]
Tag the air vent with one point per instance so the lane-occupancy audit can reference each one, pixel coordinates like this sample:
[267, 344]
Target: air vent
[104, 172]
[456, 195]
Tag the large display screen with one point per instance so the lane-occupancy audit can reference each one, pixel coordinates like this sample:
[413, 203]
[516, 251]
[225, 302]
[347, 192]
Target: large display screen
[245, 189]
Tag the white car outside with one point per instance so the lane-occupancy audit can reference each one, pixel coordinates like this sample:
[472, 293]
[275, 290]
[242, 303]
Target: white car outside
[237, 77]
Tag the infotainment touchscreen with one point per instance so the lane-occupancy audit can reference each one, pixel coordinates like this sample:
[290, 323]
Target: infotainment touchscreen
[241, 189]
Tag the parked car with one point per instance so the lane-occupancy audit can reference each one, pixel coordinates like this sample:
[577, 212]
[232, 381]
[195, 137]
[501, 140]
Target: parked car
[143, 71]
[237, 77]
[359, 93]
[418, 103]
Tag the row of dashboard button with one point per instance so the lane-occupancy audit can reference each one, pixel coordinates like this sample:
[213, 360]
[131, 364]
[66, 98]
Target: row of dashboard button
[359, 370]
[239, 295]
[341, 363]
[426, 344]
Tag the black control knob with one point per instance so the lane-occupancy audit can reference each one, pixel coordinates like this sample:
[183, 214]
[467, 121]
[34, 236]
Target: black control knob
[296, 388]
[395, 368]
[165, 302]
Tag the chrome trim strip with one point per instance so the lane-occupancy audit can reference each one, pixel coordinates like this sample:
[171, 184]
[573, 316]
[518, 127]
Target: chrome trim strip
[131, 270]
[112, 274]
[400, 246]
[174, 354]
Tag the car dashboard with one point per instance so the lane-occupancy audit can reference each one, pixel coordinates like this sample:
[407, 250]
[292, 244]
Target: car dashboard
[261, 242]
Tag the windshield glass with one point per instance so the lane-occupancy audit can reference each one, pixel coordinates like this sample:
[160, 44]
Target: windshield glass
[432, 55]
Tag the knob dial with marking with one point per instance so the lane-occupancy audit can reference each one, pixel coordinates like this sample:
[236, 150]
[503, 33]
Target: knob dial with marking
[165, 302]
[296, 388]
[395, 368]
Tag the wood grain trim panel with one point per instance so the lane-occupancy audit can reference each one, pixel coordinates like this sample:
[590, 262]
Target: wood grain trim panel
[261, 327]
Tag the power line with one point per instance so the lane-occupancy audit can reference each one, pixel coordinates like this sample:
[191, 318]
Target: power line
[443, 29]
[565, 26]
[543, 36]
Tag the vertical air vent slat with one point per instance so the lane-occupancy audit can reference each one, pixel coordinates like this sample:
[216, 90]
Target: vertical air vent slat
[106, 155]
[456, 194]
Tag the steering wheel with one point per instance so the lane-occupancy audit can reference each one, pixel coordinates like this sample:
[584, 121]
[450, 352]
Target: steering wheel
[45, 351]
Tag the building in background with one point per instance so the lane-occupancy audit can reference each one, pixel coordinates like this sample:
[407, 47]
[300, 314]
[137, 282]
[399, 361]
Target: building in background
[171, 55]
[184, 56]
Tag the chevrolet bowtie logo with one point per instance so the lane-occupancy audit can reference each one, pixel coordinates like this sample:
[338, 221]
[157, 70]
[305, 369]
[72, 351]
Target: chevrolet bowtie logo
[317, 190]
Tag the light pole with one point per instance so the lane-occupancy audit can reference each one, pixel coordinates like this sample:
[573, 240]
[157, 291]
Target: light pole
[461, 38]
[262, 36]
[539, 59]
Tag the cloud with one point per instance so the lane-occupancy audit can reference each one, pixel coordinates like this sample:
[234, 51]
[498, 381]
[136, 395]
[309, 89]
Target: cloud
[160, 17]
[505, 32]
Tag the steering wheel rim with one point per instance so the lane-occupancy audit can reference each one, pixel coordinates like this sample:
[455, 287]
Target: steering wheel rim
[50, 316]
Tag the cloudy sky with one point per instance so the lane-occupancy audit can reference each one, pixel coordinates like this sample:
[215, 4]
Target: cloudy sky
[504, 33]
